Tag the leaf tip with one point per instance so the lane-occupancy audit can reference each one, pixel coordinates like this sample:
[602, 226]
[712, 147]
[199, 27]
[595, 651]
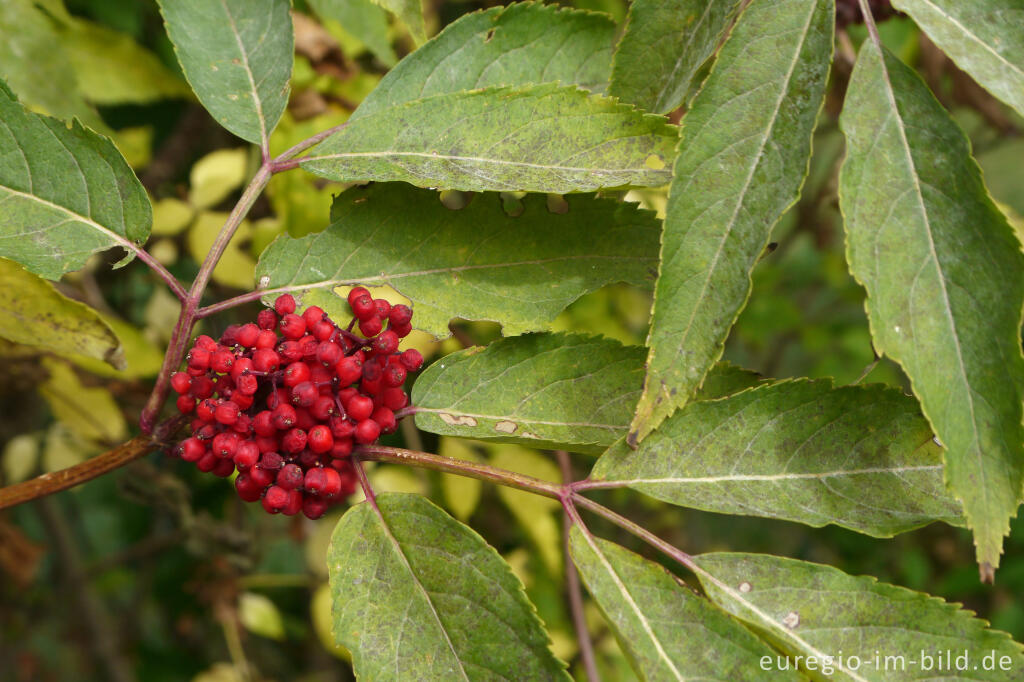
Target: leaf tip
[986, 572]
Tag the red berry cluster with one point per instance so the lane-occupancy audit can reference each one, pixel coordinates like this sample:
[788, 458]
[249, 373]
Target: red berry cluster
[286, 411]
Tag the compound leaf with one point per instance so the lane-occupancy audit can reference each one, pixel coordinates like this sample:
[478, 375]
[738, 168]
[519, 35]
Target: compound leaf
[664, 44]
[520, 44]
[944, 275]
[667, 632]
[543, 138]
[65, 193]
[418, 595]
[34, 313]
[476, 263]
[859, 457]
[983, 37]
[854, 628]
[742, 160]
[237, 56]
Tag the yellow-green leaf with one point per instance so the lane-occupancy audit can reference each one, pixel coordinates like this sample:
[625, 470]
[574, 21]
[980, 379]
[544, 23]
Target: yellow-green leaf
[34, 313]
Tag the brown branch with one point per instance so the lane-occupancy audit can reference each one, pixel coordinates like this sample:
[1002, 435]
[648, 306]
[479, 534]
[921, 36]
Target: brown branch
[80, 473]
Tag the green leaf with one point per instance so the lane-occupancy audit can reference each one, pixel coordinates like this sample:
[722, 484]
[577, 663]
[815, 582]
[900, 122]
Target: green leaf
[742, 160]
[410, 13]
[237, 56]
[521, 44]
[667, 632]
[664, 44]
[559, 391]
[983, 37]
[65, 193]
[363, 20]
[36, 66]
[543, 138]
[418, 595]
[817, 611]
[944, 275]
[859, 457]
[111, 68]
[34, 313]
[476, 263]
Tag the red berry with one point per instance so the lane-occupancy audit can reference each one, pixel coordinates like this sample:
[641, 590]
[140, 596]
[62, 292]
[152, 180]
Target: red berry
[322, 330]
[207, 463]
[341, 428]
[367, 431]
[191, 449]
[359, 407]
[181, 382]
[284, 417]
[328, 353]
[400, 315]
[225, 444]
[206, 409]
[275, 499]
[284, 305]
[323, 408]
[246, 455]
[370, 327]
[312, 315]
[394, 398]
[185, 404]
[312, 508]
[266, 339]
[247, 335]
[271, 461]
[205, 342]
[412, 359]
[383, 308]
[263, 424]
[332, 484]
[294, 505]
[223, 468]
[199, 358]
[349, 370]
[266, 319]
[385, 418]
[265, 360]
[247, 489]
[290, 476]
[362, 306]
[247, 385]
[295, 374]
[401, 330]
[293, 326]
[394, 376]
[357, 292]
[261, 478]
[314, 481]
[386, 343]
[294, 441]
[342, 448]
[319, 439]
[226, 413]
[304, 394]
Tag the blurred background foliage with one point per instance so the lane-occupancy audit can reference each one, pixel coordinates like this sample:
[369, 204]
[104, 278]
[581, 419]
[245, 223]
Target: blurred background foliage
[158, 572]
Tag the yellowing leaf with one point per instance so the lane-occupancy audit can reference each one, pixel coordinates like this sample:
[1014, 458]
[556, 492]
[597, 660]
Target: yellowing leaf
[142, 357]
[236, 267]
[534, 513]
[33, 312]
[259, 615]
[89, 413]
[171, 216]
[216, 175]
[320, 613]
[20, 456]
[461, 493]
[63, 448]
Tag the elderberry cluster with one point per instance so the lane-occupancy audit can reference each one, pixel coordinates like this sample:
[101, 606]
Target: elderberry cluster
[286, 411]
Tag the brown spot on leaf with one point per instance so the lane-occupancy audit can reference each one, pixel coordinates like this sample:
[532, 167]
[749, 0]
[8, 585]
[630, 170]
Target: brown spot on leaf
[506, 426]
[462, 420]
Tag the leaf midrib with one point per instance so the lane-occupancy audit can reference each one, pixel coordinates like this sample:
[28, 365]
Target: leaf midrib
[248, 72]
